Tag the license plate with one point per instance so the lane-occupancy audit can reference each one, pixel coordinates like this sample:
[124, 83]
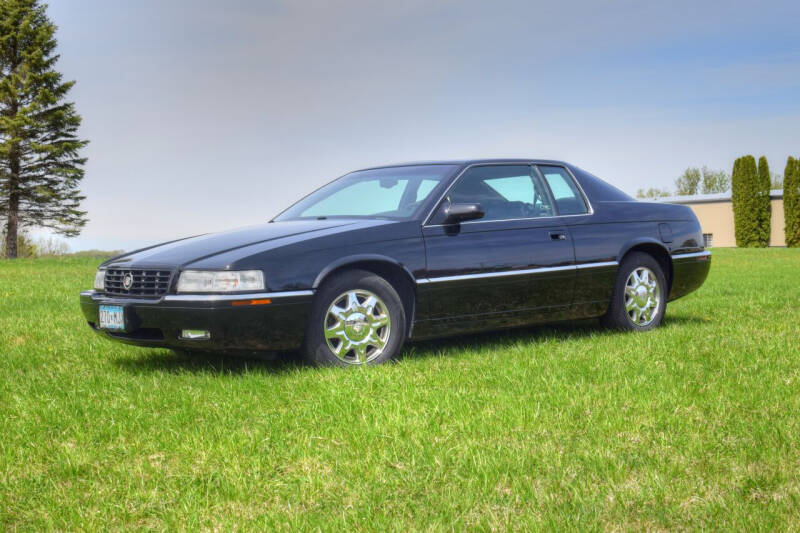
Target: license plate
[112, 317]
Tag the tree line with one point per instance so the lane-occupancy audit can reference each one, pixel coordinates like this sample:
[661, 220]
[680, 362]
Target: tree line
[752, 209]
[750, 184]
[693, 181]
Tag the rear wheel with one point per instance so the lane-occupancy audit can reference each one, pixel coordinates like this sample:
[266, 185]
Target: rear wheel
[357, 319]
[640, 296]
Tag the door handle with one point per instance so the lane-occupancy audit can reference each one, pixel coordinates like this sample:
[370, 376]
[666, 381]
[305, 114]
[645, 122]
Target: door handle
[558, 235]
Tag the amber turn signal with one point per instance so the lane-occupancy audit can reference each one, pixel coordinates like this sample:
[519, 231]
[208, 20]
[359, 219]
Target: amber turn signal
[252, 302]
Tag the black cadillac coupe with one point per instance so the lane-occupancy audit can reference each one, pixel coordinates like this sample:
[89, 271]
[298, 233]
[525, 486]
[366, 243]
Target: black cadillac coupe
[385, 255]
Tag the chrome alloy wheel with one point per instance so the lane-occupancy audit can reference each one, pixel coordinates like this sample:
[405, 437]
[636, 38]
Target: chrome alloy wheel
[642, 296]
[357, 326]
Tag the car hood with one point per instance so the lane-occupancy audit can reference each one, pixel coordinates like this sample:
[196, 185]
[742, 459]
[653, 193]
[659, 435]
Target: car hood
[183, 252]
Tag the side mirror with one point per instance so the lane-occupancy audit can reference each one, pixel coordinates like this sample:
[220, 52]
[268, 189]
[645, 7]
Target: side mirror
[456, 213]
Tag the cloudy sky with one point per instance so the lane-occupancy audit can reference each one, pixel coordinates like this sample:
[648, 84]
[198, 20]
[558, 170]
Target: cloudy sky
[207, 115]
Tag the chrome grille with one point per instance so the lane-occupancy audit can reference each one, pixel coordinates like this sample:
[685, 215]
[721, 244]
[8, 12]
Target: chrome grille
[145, 283]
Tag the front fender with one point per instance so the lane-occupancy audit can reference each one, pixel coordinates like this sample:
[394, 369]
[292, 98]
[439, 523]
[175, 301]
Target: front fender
[359, 258]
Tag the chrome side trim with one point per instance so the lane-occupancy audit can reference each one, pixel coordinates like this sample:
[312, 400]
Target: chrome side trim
[692, 254]
[542, 270]
[598, 265]
[470, 222]
[230, 297]
[203, 297]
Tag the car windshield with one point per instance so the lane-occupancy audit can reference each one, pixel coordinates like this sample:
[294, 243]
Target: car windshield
[392, 192]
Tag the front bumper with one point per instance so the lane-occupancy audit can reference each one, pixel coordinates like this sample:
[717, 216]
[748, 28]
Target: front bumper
[234, 325]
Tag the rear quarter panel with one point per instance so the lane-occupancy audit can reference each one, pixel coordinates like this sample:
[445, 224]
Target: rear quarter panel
[614, 229]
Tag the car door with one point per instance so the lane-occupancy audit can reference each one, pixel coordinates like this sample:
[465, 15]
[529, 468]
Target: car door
[595, 260]
[514, 265]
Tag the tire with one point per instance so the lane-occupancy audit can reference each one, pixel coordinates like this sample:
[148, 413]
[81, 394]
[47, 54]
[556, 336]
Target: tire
[357, 318]
[639, 301]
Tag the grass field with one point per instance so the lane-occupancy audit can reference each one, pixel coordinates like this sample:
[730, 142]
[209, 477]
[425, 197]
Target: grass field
[695, 425]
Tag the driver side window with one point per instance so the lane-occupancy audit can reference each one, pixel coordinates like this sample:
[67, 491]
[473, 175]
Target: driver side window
[504, 192]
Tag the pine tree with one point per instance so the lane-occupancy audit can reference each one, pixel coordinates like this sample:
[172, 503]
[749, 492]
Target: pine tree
[791, 202]
[40, 165]
[744, 188]
[762, 203]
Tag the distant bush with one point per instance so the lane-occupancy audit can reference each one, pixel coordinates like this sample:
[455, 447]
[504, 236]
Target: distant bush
[696, 181]
[41, 247]
[97, 253]
[652, 193]
[688, 182]
[50, 247]
[715, 181]
[25, 246]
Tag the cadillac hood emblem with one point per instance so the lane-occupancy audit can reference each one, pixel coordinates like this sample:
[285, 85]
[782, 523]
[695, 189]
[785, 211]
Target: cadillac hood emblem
[127, 281]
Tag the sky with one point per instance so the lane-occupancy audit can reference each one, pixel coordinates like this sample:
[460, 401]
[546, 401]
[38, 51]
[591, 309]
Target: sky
[205, 115]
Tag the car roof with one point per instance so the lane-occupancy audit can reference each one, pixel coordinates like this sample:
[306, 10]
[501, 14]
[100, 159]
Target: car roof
[466, 162]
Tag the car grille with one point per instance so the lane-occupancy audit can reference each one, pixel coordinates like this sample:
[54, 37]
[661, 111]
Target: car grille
[145, 283]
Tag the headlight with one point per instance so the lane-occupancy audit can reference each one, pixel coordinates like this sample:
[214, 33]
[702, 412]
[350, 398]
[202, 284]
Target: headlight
[220, 281]
[100, 280]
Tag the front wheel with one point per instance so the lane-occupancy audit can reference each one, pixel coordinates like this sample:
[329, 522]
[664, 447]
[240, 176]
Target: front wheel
[357, 319]
[639, 300]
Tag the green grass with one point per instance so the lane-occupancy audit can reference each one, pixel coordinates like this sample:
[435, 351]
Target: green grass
[695, 425]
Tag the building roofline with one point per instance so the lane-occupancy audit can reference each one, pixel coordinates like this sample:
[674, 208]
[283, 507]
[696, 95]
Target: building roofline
[774, 194]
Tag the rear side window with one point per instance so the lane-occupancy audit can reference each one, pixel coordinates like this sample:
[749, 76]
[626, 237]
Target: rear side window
[568, 198]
